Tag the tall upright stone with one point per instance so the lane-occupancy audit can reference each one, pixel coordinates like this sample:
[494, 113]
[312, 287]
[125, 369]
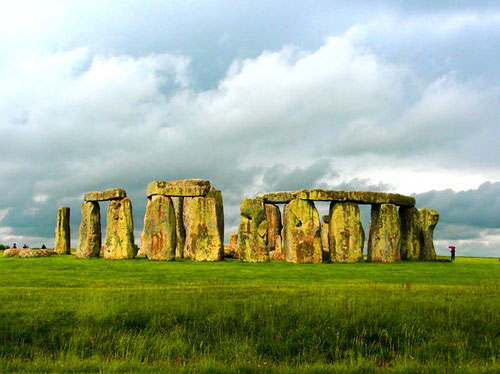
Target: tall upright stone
[273, 217]
[203, 239]
[384, 241]
[345, 234]
[411, 234]
[252, 234]
[63, 237]
[178, 203]
[325, 242]
[428, 220]
[119, 242]
[89, 239]
[219, 205]
[158, 239]
[302, 230]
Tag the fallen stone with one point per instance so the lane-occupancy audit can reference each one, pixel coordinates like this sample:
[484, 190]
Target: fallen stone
[186, 187]
[29, 253]
[11, 252]
[428, 219]
[178, 203]
[273, 217]
[111, 194]
[302, 240]
[277, 197]
[63, 239]
[360, 197]
[158, 239]
[203, 239]
[89, 239]
[119, 242]
[231, 251]
[345, 234]
[252, 234]
[384, 241]
[411, 234]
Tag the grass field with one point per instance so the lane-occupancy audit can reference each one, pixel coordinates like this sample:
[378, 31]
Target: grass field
[62, 314]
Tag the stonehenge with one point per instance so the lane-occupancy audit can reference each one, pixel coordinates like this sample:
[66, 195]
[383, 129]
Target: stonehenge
[340, 236]
[63, 236]
[119, 242]
[185, 219]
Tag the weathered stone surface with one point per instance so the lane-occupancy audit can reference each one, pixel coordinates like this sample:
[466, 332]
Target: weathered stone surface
[178, 203]
[185, 187]
[217, 195]
[278, 197]
[273, 217]
[411, 234]
[63, 239]
[89, 239]
[325, 244]
[233, 239]
[252, 235]
[119, 242]
[111, 194]
[302, 241]
[384, 241]
[345, 234]
[28, 253]
[158, 239]
[428, 219]
[203, 240]
[11, 252]
[360, 197]
[278, 254]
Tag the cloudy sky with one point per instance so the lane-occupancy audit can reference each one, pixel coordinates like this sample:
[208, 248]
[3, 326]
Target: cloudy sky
[255, 96]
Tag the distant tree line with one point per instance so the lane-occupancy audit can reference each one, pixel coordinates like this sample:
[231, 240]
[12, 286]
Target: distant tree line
[2, 247]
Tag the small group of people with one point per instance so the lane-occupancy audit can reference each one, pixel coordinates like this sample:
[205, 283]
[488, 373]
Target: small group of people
[26, 246]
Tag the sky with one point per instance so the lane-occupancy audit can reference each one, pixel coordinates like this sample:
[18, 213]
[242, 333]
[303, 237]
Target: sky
[255, 96]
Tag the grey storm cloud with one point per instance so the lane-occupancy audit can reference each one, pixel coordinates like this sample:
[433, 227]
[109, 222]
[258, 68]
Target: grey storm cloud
[254, 97]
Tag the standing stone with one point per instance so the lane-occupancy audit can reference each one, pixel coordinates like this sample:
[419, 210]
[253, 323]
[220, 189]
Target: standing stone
[89, 239]
[119, 242]
[302, 232]
[63, 239]
[203, 239]
[158, 239]
[252, 235]
[428, 219]
[325, 243]
[384, 241]
[233, 239]
[178, 202]
[273, 217]
[345, 234]
[411, 234]
[278, 254]
[217, 195]
[231, 250]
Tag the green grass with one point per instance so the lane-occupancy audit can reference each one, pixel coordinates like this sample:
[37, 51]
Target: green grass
[62, 314]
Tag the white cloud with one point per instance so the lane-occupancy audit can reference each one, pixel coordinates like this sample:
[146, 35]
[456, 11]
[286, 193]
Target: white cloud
[86, 122]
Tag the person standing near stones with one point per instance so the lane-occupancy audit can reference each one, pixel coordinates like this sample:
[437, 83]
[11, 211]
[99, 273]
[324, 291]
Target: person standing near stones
[452, 251]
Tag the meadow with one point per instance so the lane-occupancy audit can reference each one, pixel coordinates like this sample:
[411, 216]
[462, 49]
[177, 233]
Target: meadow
[62, 314]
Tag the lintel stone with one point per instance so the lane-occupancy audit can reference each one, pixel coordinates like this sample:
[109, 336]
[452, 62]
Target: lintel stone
[360, 197]
[185, 187]
[278, 197]
[111, 194]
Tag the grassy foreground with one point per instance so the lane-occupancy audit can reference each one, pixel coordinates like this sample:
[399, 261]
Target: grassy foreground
[62, 314]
